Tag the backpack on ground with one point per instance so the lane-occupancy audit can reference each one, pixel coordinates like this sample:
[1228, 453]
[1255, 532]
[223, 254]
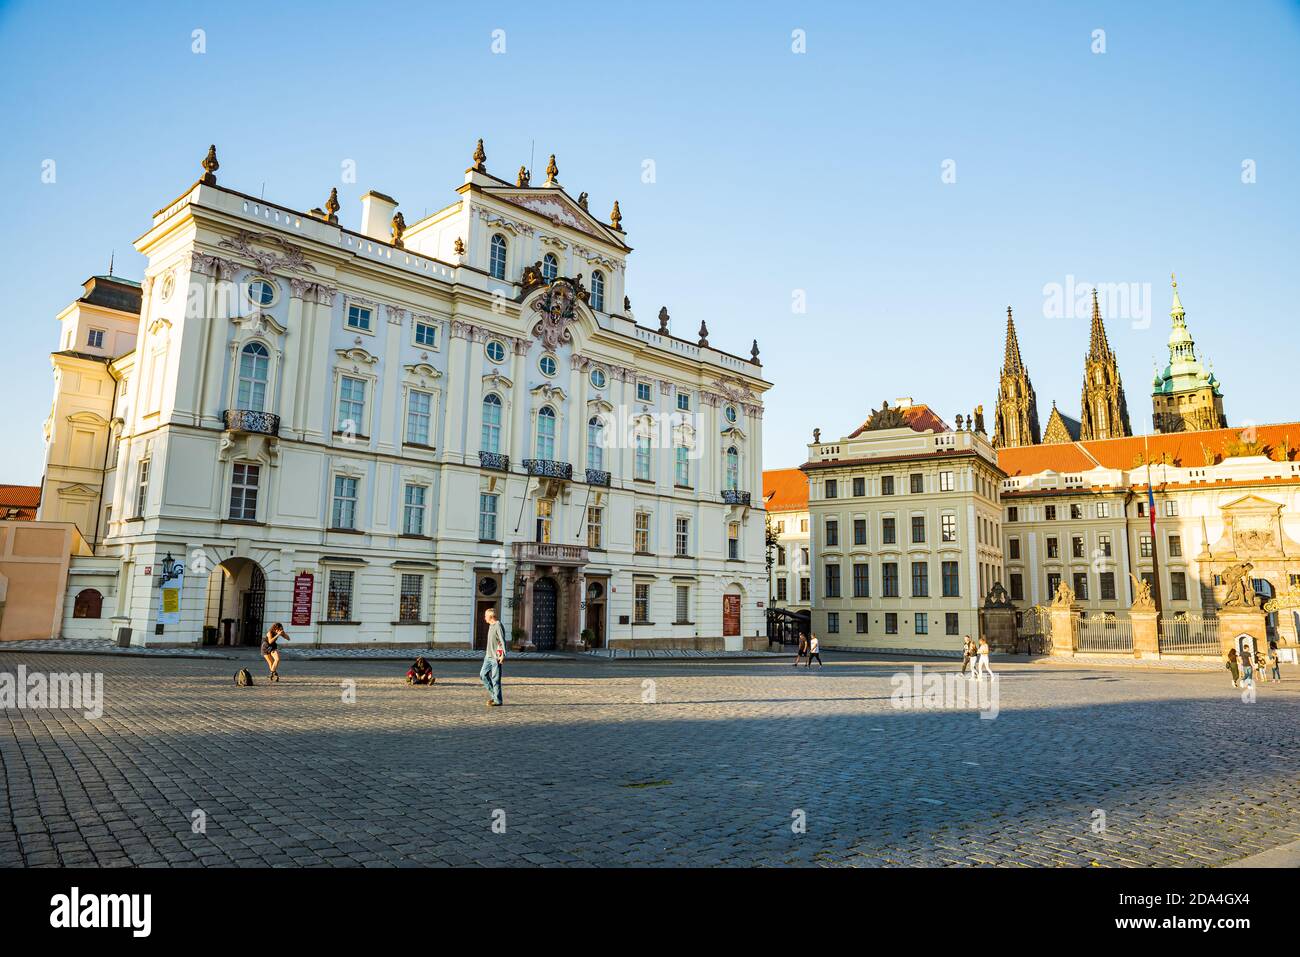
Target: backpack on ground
[243, 678]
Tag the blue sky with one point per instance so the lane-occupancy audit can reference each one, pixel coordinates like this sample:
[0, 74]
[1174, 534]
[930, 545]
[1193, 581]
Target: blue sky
[775, 171]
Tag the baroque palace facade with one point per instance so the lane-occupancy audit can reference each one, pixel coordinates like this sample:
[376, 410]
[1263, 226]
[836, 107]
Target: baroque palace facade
[374, 435]
[913, 522]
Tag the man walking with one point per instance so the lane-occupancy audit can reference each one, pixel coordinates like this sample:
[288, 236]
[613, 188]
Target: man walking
[493, 657]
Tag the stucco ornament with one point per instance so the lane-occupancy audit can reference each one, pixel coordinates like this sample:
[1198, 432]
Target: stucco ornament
[558, 313]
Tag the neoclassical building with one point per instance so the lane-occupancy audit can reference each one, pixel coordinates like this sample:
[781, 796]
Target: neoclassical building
[373, 434]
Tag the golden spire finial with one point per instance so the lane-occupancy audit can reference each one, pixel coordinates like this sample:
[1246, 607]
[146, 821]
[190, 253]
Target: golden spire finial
[552, 172]
[210, 166]
[1173, 280]
[480, 158]
[332, 205]
[616, 217]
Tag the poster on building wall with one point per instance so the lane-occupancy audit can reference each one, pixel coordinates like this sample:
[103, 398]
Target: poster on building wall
[304, 584]
[169, 598]
[730, 615]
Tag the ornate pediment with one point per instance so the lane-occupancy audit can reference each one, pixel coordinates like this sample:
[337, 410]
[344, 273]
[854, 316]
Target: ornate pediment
[78, 490]
[556, 207]
[287, 258]
[495, 380]
[1252, 529]
[259, 323]
[549, 392]
[357, 356]
[422, 372]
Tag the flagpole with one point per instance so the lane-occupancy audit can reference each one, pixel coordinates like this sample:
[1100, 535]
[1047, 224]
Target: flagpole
[1155, 545]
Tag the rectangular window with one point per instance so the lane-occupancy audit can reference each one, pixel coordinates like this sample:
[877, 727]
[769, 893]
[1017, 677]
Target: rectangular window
[641, 604]
[886, 485]
[951, 580]
[833, 622]
[1178, 586]
[945, 481]
[1175, 546]
[1081, 586]
[487, 518]
[780, 556]
[410, 599]
[832, 580]
[859, 487]
[1171, 508]
[1144, 546]
[861, 580]
[1076, 511]
[1013, 513]
[684, 401]
[1107, 586]
[859, 531]
[595, 526]
[419, 407]
[344, 514]
[921, 623]
[891, 622]
[359, 317]
[782, 589]
[1103, 510]
[95, 338]
[1053, 582]
[338, 601]
[683, 466]
[683, 537]
[545, 509]
[1076, 546]
[916, 481]
[1053, 547]
[643, 392]
[805, 590]
[1049, 512]
[1013, 548]
[641, 532]
[862, 619]
[426, 334]
[352, 405]
[141, 487]
[832, 533]
[413, 510]
[832, 488]
[733, 541]
[918, 529]
[1017, 587]
[683, 605]
[643, 457]
[889, 579]
[948, 528]
[887, 532]
[951, 621]
[920, 579]
[243, 491]
[1103, 543]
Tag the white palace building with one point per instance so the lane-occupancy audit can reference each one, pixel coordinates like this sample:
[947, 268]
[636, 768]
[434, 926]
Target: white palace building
[373, 435]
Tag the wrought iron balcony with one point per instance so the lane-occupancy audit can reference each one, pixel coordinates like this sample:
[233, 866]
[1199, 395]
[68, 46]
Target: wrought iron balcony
[597, 477]
[732, 496]
[549, 553]
[246, 420]
[495, 461]
[548, 468]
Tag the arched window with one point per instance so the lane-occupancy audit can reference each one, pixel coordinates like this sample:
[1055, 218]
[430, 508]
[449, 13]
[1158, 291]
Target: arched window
[497, 264]
[254, 361]
[595, 443]
[88, 604]
[598, 291]
[545, 448]
[491, 441]
[733, 469]
[550, 267]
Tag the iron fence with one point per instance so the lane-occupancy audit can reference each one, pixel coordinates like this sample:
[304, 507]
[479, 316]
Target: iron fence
[1189, 636]
[1105, 634]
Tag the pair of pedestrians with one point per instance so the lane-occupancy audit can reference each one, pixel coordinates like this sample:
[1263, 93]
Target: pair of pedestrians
[808, 650]
[977, 652]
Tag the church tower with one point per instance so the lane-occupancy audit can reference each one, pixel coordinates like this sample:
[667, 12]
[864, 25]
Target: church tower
[1016, 419]
[1104, 412]
[1185, 396]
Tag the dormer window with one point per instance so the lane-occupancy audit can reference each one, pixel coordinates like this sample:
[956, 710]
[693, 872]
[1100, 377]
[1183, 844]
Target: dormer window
[598, 291]
[550, 267]
[497, 262]
[95, 338]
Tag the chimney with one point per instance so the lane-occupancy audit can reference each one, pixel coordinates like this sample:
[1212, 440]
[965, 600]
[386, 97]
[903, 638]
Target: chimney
[902, 402]
[377, 215]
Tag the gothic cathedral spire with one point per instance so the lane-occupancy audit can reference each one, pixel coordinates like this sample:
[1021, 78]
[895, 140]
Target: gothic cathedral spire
[1016, 417]
[1104, 412]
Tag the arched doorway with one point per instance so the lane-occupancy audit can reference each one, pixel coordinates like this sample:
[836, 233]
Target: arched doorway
[545, 595]
[236, 604]
[594, 619]
[1265, 592]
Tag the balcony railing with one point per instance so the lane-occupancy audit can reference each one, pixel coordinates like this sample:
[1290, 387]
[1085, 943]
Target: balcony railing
[495, 461]
[246, 420]
[597, 477]
[548, 468]
[731, 496]
[550, 553]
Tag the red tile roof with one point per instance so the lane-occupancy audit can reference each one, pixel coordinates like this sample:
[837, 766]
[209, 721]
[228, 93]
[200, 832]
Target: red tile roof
[1182, 449]
[920, 417]
[22, 498]
[785, 490]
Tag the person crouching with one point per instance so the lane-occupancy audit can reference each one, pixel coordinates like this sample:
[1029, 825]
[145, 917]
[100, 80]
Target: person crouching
[420, 673]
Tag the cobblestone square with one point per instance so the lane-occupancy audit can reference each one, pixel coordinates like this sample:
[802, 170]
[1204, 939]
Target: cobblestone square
[644, 763]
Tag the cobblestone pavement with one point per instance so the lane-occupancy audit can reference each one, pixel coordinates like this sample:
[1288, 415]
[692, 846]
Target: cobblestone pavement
[581, 770]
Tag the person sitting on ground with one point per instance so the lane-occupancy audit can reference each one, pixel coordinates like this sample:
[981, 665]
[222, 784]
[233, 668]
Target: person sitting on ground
[420, 674]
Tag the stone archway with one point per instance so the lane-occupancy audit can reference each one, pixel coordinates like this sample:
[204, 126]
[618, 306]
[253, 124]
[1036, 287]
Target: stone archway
[235, 610]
